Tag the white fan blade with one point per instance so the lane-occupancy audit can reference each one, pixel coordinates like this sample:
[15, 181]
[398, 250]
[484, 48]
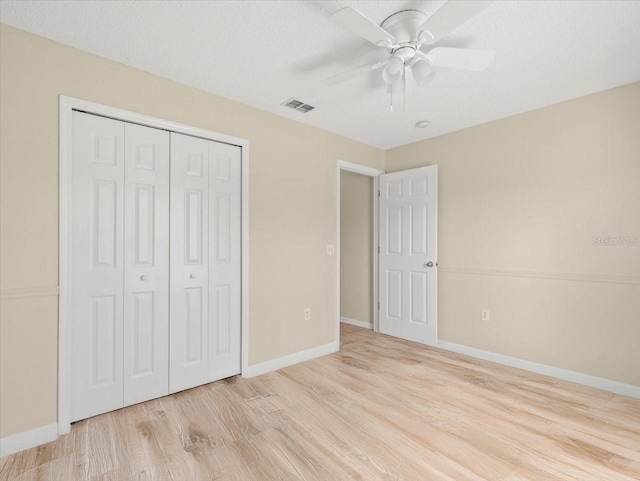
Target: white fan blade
[354, 21]
[354, 72]
[459, 58]
[451, 15]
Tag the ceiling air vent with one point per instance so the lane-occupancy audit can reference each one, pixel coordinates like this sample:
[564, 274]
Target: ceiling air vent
[297, 105]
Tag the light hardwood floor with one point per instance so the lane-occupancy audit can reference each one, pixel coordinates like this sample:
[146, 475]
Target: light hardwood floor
[381, 409]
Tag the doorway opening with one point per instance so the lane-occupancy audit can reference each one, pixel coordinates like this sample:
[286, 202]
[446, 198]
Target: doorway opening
[357, 241]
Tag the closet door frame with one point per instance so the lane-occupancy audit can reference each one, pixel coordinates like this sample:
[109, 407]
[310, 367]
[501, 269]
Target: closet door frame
[66, 107]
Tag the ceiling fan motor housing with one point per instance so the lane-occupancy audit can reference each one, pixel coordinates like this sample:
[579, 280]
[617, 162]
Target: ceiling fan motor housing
[405, 53]
[404, 25]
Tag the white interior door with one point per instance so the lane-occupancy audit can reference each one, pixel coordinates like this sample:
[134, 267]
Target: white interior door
[409, 254]
[146, 265]
[224, 260]
[97, 265]
[189, 283]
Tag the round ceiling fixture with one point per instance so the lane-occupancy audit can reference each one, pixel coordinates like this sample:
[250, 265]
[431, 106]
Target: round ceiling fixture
[423, 124]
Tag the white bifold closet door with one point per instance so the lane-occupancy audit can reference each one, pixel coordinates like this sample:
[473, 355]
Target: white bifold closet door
[120, 267]
[205, 261]
[97, 265]
[224, 260]
[146, 264]
[189, 261]
[155, 263]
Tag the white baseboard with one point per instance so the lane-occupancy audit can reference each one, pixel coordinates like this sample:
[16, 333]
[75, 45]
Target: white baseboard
[289, 360]
[28, 439]
[564, 374]
[353, 322]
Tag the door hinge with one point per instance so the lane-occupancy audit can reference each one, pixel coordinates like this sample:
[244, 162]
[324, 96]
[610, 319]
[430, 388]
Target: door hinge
[378, 249]
[378, 193]
[378, 306]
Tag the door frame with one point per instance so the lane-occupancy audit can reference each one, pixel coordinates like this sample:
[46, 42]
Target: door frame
[374, 173]
[66, 106]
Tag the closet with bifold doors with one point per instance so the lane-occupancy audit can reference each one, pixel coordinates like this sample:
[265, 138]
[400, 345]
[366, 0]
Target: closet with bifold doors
[155, 282]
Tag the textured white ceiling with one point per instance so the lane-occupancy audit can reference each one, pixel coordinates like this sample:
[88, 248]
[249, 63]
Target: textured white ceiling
[263, 52]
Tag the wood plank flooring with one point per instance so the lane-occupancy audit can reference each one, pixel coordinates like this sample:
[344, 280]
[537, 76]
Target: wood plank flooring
[381, 409]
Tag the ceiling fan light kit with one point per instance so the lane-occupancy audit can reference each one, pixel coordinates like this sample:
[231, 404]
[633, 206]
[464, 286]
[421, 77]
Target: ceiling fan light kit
[404, 33]
[393, 71]
[423, 72]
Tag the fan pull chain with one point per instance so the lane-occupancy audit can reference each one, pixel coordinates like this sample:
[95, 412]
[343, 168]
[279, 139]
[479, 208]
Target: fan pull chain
[391, 97]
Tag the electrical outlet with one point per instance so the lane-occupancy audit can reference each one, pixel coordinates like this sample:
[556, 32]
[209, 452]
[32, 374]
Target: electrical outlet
[485, 315]
[331, 249]
[307, 314]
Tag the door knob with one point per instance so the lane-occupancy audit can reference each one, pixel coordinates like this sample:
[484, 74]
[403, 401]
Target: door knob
[143, 278]
[193, 276]
[429, 264]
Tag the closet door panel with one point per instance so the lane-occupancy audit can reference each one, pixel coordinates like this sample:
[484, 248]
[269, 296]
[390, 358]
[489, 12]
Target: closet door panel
[96, 265]
[224, 261]
[146, 279]
[189, 311]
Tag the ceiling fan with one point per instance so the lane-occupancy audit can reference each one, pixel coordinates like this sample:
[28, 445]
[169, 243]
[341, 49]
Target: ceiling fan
[405, 33]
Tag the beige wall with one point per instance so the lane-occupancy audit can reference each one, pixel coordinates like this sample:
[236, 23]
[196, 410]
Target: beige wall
[356, 246]
[292, 210]
[520, 200]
